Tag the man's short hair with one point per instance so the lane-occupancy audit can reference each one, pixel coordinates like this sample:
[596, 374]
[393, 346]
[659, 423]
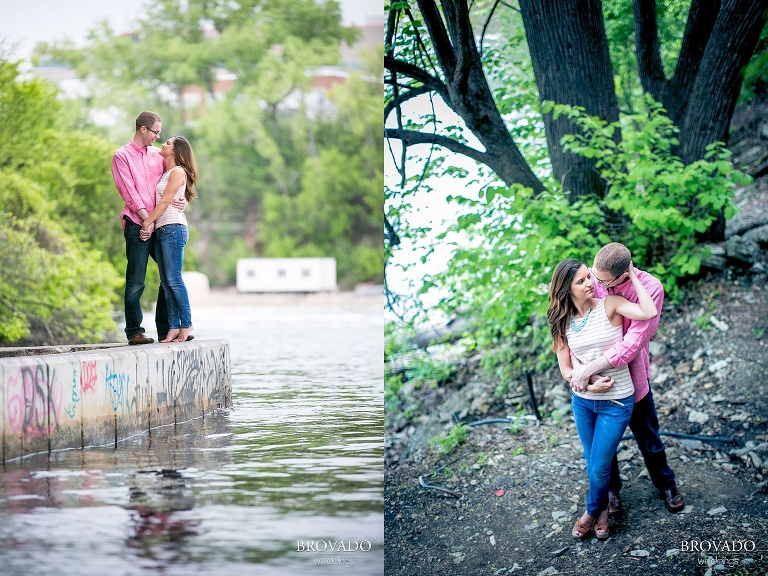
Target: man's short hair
[147, 119]
[613, 258]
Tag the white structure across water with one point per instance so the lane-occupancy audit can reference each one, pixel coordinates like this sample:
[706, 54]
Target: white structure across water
[286, 275]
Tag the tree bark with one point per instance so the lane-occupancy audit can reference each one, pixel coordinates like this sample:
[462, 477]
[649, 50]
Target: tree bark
[716, 88]
[673, 93]
[719, 39]
[572, 65]
[466, 91]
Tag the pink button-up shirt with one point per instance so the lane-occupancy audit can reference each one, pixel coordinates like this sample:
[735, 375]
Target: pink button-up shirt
[633, 350]
[136, 171]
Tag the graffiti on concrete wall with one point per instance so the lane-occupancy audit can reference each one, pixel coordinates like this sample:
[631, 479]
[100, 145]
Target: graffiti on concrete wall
[195, 381]
[187, 372]
[33, 400]
[71, 407]
[139, 402]
[215, 378]
[163, 389]
[88, 375]
[117, 385]
[63, 403]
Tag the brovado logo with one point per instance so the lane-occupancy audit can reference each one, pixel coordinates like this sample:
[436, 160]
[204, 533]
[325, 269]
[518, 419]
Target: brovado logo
[717, 546]
[333, 546]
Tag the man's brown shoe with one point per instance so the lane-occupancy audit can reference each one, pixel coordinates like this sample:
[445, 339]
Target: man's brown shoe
[140, 339]
[614, 504]
[673, 500]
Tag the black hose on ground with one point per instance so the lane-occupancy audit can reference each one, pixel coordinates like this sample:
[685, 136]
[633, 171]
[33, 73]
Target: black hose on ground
[720, 439]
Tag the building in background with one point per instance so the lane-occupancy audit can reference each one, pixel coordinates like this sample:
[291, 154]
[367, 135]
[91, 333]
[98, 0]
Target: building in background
[315, 100]
[195, 99]
[286, 275]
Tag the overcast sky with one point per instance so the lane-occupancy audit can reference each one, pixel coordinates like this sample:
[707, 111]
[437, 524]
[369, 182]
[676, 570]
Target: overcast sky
[26, 22]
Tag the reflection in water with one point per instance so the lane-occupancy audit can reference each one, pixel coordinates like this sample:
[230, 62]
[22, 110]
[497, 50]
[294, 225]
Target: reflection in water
[157, 532]
[298, 458]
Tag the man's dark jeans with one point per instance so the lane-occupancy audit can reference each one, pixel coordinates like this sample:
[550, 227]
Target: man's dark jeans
[645, 426]
[138, 251]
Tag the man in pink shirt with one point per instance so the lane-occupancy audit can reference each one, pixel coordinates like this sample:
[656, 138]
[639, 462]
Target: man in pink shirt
[136, 169]
[610, 276]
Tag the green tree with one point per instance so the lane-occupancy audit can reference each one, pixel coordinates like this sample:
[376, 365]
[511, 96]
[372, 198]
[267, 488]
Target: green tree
[336, 209]
[260, 147]
[54, 286]
[54, 289]
[436, 52]
[269, 43]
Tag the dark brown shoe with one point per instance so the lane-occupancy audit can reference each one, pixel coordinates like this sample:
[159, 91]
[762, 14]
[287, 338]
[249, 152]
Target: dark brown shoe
[614, 504]
[673, 500]
[140, 338]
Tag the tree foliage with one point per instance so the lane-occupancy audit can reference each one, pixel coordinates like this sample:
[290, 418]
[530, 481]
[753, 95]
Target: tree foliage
[667, 202]
[277, 178]
[646, 187]
[432, 49]
[57, 282]
[491, 69]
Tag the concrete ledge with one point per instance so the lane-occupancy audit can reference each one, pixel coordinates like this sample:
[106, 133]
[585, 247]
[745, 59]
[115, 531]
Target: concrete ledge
[90, 397]
[63, 349]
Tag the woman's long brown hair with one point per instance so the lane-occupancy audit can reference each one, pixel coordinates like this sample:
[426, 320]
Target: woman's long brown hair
[182, 154]
[561, 307]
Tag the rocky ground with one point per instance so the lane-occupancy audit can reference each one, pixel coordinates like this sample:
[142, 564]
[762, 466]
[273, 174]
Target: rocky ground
[709, 379]
[505, 501]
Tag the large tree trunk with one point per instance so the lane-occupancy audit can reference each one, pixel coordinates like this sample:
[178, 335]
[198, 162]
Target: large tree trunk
[719, 40]
[465, 90]
[714, 92]
[569, 51]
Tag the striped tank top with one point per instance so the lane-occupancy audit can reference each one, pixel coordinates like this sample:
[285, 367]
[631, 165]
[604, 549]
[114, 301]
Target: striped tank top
[171, 215]
[597, 336]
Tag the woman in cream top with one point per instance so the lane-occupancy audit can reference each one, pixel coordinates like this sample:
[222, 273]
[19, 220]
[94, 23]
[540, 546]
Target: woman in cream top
[594, 337]
[172, 233]
[583, 327]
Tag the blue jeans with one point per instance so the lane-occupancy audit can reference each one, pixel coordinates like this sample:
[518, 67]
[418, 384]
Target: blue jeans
[137, 252]
[601, 424]
[171, 240]
[645, 427]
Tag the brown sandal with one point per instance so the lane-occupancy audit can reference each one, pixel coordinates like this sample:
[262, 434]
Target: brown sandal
[581, 529]
[602, 530]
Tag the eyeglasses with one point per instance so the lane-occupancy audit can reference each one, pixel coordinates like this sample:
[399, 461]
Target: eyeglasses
[606, 283]
[156, 133]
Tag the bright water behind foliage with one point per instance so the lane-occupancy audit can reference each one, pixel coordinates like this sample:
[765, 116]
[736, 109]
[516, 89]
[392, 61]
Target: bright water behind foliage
[240, 492]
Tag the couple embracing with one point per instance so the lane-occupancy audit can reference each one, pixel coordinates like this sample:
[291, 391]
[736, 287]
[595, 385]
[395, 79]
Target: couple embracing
[156, 184]
[602, 320]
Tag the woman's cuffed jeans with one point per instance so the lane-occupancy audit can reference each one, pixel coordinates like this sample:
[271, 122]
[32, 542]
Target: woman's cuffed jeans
[171, 240]
[601, 424]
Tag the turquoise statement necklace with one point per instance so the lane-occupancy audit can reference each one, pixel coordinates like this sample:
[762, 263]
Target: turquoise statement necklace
[579, 326]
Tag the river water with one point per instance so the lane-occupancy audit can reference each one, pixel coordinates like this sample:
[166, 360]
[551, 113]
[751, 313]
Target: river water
[288, 482]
